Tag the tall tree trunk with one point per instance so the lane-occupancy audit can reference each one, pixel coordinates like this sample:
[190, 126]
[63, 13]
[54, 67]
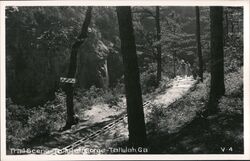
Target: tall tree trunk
[232, 26]
[158, 48]
[198, 42]
[217, 88]
[69, 88]
[174, 57]
[136, 122]
[106, 78]
[226, 24]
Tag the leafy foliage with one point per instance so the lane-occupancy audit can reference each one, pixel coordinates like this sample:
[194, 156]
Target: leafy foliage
[233, 52]
[27, 123]
[148, 79]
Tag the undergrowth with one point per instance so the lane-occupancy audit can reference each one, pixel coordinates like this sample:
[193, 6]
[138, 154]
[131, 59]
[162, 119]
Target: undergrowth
[182, 129]
[27, 124]
[170, 119]
[24, 124]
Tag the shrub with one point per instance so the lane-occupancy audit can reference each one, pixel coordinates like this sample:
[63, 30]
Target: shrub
[39, 124]
[119, 88]
[94, 95]
[154, 118]
[23, 124]
[111, 98]
[148, 81]
[233, 52]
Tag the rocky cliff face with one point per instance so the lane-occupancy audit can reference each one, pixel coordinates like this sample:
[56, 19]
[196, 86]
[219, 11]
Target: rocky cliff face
[38, 44]
[33, 75]
[92, 63]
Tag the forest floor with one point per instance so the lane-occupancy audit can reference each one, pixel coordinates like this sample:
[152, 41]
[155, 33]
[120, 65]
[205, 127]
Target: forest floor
[174, 122]
[221, 133]
[99, 115]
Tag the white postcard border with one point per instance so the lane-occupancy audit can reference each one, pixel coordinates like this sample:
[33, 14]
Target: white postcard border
[244, 3]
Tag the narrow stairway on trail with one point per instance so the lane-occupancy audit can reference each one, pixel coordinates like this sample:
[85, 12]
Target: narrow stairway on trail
[100, 116]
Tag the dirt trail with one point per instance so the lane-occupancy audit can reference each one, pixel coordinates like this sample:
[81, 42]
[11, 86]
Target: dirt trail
[180, 86]
[100, 115]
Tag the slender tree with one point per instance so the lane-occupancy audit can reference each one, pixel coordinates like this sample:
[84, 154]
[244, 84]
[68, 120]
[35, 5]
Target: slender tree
[217, 88]
[136, 122]
[198, 43]
[226, 23]
[232, 26]
[69, 88]
[158, 48]
[174, 62]
[158, 54]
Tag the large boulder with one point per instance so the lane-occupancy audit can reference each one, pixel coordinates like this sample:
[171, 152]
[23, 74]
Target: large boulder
[92, 69]
[33, 74]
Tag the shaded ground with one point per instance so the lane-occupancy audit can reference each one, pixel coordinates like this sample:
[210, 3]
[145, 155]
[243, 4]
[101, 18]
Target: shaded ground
[217, 134]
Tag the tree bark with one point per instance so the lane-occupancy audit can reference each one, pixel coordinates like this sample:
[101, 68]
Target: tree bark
[158, 48]
[69, 88]
[198, 43]
[217, 88]
[174, 59]
[226, 24]
[232, 26]
[136, 122]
